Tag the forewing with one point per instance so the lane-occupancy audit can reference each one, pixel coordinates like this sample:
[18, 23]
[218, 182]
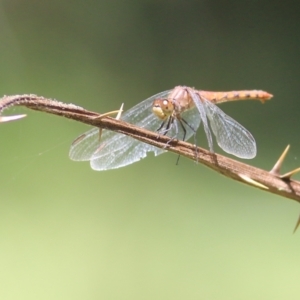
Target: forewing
[231, 136]
[116, 150]
[121, 151]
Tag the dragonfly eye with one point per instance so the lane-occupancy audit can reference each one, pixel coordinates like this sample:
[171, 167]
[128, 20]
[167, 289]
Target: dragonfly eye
[162, 108]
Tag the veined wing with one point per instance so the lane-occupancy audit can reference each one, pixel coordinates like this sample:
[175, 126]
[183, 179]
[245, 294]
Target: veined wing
[203, 116]
[116, 150]
[231, 136]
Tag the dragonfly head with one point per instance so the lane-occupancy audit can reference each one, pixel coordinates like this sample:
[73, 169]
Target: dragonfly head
[162, 108]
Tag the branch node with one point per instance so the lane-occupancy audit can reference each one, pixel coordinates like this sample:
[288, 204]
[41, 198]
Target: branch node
[118, 112]
[288, 175]
[276, 169]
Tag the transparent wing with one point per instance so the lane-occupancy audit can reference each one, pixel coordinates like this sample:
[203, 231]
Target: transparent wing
[202, 114]
[116, 150]
[231, 136]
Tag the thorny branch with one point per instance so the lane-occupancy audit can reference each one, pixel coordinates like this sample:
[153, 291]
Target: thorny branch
[269, 181]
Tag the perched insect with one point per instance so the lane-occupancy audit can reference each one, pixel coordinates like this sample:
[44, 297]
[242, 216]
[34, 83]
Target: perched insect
[176, 113]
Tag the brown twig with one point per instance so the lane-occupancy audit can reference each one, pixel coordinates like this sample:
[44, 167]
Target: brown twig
[268, 181]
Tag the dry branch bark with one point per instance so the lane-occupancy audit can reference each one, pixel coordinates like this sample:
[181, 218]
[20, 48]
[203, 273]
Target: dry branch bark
[236, 170]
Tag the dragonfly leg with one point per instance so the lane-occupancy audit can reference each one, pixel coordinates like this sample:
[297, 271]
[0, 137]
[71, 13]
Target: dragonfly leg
[161, 126]
[169, 126]
[183, 128]
[181, 121]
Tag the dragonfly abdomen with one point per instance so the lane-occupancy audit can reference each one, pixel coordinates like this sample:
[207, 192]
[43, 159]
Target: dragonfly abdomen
[219, 97]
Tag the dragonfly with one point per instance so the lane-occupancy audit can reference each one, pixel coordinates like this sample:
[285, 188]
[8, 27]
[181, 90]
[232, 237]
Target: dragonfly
[176, 113]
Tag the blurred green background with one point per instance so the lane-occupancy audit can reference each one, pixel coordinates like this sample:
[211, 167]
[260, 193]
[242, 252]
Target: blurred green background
[152, 230]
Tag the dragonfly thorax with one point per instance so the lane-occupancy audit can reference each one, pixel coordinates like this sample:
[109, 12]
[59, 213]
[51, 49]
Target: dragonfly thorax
[163, 108]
